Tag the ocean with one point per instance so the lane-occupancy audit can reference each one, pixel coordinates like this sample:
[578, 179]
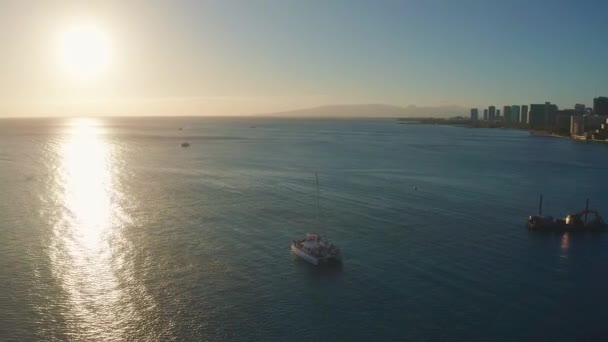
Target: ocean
[111, 231]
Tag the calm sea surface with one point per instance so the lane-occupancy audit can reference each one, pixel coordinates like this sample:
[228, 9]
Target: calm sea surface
[110, 231]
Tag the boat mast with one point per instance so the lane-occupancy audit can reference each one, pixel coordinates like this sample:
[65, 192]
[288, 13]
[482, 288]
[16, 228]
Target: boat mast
[317, 202]
[586, 210]
[540, 206]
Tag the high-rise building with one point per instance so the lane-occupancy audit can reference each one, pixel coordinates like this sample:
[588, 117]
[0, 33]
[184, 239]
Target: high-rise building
[600, 105]
[492, 113]
[563, 121]
[542, 116]
[551, 114]
[577, 125]
[474, 114]
[515, 114]
[485, 115]
[536, 116]
[506, 112]
[579, 108]
[524, 114]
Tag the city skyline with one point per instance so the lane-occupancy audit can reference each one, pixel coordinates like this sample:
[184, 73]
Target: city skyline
[599, 106]
[247, 57]
[578, 122]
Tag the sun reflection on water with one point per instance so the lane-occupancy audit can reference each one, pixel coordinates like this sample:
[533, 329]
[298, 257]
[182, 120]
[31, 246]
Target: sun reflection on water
[88, 185]
[87, 232]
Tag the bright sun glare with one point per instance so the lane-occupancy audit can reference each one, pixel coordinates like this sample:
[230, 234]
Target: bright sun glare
[84, 51]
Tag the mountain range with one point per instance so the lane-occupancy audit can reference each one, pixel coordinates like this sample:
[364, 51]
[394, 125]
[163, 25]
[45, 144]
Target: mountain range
[372, 111]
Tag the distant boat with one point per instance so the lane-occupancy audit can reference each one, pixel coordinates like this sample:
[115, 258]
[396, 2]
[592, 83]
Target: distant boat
[577, 222]
[181, 129]
[314, 248]
[185, 144]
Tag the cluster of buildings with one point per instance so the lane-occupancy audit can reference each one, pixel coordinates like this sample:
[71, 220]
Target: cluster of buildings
[579, 122]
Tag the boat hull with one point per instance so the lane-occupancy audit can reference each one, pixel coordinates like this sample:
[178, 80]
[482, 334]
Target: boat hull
[311, 259]
[542, 224]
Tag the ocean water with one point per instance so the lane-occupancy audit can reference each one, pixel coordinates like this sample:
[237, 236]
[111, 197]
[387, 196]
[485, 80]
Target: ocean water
[110, 231]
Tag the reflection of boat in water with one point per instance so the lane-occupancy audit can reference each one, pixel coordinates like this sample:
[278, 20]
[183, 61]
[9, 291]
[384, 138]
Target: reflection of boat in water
[314, 248]
[583, 221]
[185, 144]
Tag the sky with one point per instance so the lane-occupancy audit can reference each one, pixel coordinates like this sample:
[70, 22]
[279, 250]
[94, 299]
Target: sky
[261, 56]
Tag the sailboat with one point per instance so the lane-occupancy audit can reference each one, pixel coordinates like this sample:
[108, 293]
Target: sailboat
[314, 248]
[576, 222]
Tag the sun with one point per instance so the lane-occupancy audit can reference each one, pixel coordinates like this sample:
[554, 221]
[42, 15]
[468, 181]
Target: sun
[84, 51]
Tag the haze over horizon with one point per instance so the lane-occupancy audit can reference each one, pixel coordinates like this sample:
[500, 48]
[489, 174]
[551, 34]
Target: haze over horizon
[245, 57]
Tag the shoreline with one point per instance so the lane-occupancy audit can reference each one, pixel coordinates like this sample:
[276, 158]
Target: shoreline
[492, 125]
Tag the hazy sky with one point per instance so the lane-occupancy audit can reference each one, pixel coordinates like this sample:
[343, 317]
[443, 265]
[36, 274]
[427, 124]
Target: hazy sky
[242, 57]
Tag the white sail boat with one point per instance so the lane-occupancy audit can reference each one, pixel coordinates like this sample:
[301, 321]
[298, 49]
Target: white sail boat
[314, 248]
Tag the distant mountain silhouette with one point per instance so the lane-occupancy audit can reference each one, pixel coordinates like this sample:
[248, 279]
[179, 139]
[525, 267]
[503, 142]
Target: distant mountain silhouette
[372, 111]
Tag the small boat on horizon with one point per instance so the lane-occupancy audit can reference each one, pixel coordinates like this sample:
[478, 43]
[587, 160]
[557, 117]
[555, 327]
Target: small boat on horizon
[185, 144]
[314, 248]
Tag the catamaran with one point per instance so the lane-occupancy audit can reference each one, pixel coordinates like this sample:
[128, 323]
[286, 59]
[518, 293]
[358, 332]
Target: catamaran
[314, 248]
[576, 222]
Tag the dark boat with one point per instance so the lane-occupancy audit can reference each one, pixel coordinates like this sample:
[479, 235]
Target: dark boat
[583, 221]
[185, 144]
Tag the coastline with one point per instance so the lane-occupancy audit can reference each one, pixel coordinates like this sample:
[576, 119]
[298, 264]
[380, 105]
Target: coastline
[493, 125]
